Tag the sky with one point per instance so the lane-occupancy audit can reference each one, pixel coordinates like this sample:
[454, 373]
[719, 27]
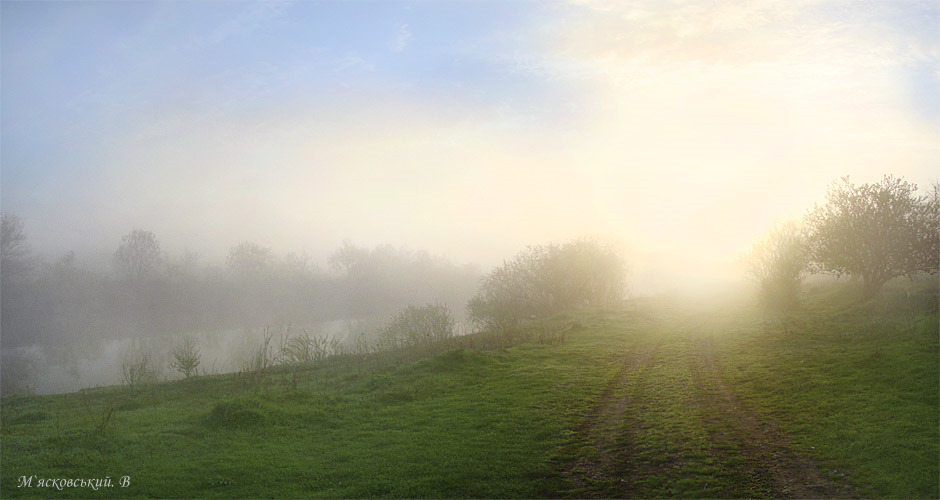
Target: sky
[682, 130]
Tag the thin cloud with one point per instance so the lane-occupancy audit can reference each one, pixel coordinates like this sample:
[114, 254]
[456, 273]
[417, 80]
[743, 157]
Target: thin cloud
[692, 127]
[251, 18]
[402, 39]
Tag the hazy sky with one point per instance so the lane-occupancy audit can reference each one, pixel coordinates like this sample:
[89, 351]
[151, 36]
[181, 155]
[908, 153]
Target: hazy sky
[469, 129]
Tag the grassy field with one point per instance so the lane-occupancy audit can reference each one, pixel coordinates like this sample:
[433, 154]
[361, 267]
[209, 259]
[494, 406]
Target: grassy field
[659, 400]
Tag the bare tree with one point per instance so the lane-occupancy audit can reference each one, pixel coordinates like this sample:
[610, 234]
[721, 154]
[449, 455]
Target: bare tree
[14, 249]
[138, 367]
[347, 257]
[874, 231]
[249, 260]
[138, 256]
[186, 358]
[295, 266]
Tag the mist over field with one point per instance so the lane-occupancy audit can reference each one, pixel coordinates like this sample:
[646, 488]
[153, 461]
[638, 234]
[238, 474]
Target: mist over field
[441, 137]
[470, 249]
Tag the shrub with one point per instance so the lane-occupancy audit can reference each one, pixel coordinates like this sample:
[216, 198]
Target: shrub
[309, 349]
[417, 325]
[235, 414]
[138, 367]
[262, 357]
[186, 358]
[777, 263]
[544, 280]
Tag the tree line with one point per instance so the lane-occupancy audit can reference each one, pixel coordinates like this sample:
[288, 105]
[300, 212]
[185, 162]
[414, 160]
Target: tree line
[872, 233]
[149, 292]
[68, 309]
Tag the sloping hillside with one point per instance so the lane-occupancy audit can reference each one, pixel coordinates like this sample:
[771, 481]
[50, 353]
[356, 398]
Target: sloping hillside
[658, 400]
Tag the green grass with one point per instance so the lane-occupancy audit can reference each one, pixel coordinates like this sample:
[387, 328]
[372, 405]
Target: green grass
[859, 388]
[855, 388]
[462, 423]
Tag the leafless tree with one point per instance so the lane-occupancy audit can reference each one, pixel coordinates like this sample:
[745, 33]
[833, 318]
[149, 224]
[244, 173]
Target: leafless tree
[138, 256]
[14, 248]
[249, 260]
[186, 358]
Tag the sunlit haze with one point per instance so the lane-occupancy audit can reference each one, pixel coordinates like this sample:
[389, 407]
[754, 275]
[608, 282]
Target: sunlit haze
[680, 130]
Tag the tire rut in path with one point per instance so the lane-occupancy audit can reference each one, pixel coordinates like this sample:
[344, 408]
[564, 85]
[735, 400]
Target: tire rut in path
[762, 443]
[612, 432]
[607, 472]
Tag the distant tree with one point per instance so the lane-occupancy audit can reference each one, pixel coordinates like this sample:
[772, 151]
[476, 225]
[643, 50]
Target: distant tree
[348, 257]
[381, 280]
[295, 266]
[138, 256]
[778, 263]
[249, 260]
[874, 231]
[14, 249]
[544, 280]
[66, 265]
[182, 266]
[582, 273]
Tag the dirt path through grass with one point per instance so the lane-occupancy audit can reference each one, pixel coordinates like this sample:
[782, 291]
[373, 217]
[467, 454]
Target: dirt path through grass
[607, 468]
[669, 424]
[767, 450]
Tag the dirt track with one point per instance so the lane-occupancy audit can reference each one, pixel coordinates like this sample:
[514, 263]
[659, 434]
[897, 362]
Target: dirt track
[634, 437]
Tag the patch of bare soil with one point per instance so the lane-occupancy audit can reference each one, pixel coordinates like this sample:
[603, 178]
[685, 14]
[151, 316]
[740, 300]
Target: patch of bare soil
[763, 444]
